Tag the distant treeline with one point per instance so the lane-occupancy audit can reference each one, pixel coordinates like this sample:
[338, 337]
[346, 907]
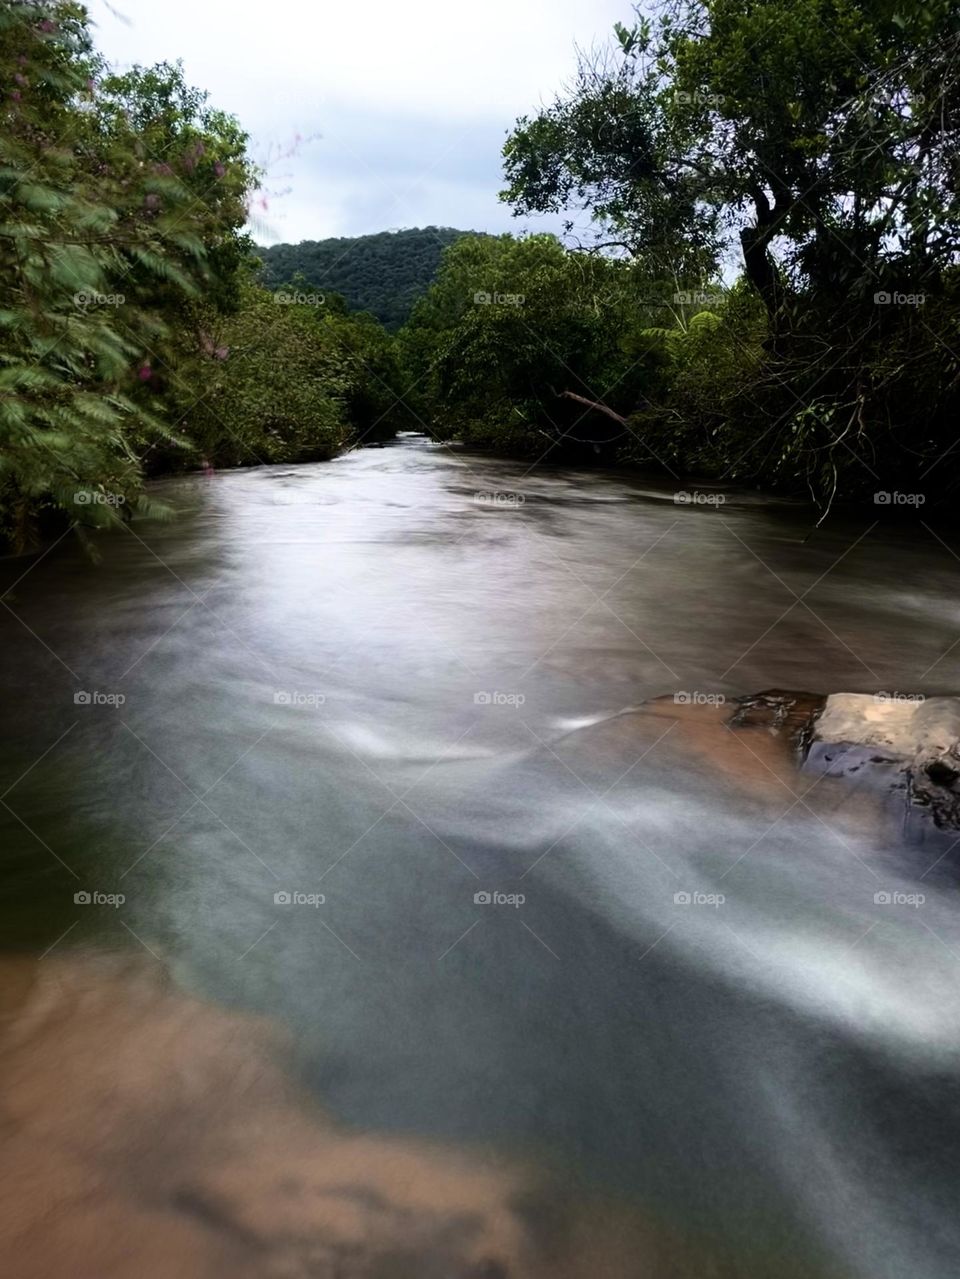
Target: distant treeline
[383, 274]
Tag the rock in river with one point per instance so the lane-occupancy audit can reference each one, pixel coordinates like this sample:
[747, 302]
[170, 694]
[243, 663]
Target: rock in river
[911, 739]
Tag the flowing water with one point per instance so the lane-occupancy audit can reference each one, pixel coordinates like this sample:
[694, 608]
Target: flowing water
[362, 746]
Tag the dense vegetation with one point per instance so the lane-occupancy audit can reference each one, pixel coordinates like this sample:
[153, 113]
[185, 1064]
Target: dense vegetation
[133, 336]
[384, 274]
[769, 292]
[804, 151]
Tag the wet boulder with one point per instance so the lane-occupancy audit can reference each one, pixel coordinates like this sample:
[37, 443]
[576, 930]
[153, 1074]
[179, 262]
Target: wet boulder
[788, 713]
[901, 740]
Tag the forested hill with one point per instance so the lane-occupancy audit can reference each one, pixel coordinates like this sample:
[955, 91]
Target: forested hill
[384, 274]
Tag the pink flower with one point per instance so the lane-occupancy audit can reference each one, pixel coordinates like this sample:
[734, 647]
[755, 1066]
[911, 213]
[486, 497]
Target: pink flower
[209, 348]
[48, 25]
[219, 169]
[19, 79]
[145, 373]
[16, 95]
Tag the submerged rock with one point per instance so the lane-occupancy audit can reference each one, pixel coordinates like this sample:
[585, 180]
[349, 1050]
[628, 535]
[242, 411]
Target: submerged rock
[190, 1149]
[903, 746]
[791, 713]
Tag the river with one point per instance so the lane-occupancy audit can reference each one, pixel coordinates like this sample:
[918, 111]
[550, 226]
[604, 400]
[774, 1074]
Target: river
[362, 747]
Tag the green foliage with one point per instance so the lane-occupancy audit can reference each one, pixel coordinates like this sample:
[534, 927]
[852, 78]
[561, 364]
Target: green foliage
[378, 399]
[258, 384]
[131, 336]
[93, 230]
[280, 381]
[518, 336]
[384, 274]
[822, 139]
[819, 140]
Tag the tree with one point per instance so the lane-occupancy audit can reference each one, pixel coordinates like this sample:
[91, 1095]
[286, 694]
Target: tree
[96, 238]
[520, 343]
[822, 137]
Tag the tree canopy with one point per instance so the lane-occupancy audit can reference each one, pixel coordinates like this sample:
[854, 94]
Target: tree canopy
[133, 334]
[384, 273]
[820, 140]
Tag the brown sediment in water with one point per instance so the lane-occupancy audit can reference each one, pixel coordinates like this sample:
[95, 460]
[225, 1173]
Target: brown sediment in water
[750, 749]
[147, 1133]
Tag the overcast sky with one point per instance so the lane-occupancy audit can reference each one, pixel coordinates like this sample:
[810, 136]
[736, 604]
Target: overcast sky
[402, 108]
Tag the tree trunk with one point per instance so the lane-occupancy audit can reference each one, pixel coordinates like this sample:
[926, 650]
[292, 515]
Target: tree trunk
[593, 404]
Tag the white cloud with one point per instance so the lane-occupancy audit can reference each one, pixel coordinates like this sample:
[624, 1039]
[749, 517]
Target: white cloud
[412, 103]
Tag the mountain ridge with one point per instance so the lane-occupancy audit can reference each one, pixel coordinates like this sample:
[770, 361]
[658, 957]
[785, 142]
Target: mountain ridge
[383, 273]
